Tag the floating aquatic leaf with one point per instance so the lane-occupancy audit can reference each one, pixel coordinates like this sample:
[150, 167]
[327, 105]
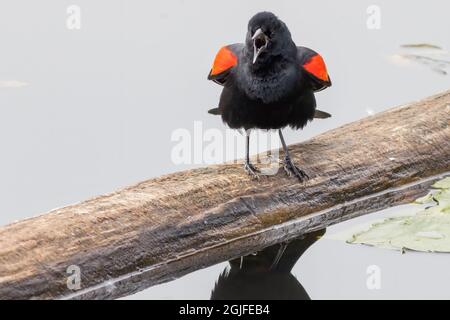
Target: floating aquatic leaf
[442, 184]
[443, 198]
[428, 230]
[429, 234]
[421, 46]
[425, 199]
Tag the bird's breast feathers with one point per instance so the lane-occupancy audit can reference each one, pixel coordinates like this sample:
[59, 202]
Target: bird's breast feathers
[271, 87]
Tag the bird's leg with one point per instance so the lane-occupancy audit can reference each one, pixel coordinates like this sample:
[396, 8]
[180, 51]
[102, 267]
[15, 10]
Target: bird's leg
[289, 166]
[249, 168]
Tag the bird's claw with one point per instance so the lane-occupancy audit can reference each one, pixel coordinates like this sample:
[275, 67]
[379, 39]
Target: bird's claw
[251, 170]
[292, 170]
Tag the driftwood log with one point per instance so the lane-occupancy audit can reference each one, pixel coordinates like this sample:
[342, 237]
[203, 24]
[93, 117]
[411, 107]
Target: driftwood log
[165, 227]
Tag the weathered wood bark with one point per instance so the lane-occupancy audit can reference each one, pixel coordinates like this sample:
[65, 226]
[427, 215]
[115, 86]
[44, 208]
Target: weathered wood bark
[165, 227]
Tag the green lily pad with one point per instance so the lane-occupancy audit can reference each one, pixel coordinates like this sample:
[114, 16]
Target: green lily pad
[443, 198]
[442, 184]
[427, 230]
[429, 233]
[425, 199]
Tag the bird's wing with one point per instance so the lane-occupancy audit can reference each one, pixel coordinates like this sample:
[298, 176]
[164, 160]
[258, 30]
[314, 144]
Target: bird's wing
[314, 67]
[226, 59]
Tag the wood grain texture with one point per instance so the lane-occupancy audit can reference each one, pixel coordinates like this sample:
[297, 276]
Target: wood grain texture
[165, 227]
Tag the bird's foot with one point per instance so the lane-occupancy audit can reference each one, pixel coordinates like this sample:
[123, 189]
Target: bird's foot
[292, 170]
[251, 170]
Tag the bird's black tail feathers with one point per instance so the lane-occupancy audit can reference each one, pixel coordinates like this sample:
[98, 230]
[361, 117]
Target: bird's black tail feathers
[317, 115]
[214, 111]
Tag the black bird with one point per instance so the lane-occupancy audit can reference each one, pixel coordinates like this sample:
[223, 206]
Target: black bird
[268, 83]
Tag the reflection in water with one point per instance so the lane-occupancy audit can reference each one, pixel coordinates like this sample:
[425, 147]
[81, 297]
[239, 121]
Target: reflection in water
[266, 274]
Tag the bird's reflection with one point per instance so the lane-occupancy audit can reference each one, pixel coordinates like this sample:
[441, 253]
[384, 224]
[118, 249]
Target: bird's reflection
[265, 275]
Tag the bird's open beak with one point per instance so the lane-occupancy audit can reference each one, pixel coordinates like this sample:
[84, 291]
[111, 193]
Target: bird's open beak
[260, 41]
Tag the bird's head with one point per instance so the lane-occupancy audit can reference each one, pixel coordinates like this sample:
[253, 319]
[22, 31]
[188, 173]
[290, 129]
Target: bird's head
[268, 38]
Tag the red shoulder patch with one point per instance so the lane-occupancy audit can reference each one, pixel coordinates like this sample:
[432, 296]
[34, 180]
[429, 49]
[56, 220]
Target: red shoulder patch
[225, 59]
[316, 66]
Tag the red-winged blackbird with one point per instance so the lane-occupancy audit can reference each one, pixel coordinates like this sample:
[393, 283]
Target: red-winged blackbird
[269, 83]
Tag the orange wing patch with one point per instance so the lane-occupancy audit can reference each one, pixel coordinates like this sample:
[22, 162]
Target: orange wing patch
[225, 59]
[316, 66]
